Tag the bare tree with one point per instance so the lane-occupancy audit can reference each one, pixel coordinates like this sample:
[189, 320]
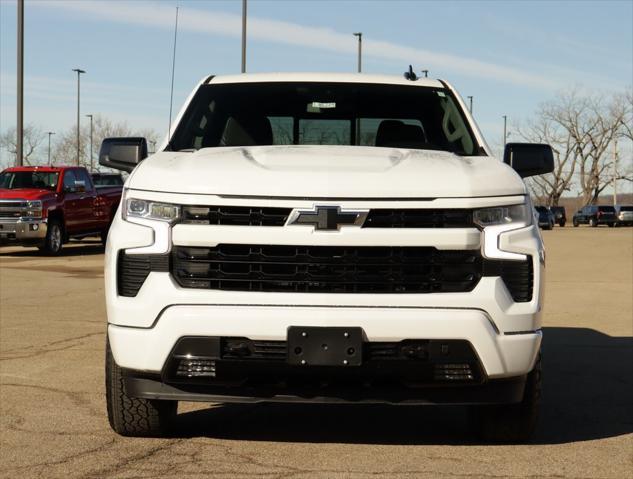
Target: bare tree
[626, 130]
[33, 137]
[582, 130]
[549, 188]
[66, 149]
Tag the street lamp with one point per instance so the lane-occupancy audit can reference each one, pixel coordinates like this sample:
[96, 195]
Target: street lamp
[91, 163]
[426, 73]
[19, 145]
[49, 133]
[505, 129]
[360, 49]
[79, 72]
[470, 107]
[244, 6]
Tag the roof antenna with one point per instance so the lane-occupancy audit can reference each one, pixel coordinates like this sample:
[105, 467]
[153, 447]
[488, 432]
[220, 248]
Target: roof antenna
[173, 68]
[410, 75]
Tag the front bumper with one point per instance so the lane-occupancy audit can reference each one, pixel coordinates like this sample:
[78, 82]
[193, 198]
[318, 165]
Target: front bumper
[500, 355]
[143, 329]
[23, 231]
[625, 218]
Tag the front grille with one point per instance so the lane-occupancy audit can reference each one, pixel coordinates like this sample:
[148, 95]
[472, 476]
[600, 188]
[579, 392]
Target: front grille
[12, 209]
[13, 204]
[133, 269]
[377, 218]
[235, 215]
[419, 218]
[326, 269]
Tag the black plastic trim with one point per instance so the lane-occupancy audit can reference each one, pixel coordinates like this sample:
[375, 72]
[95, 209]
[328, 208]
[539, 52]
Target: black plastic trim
[499, 391]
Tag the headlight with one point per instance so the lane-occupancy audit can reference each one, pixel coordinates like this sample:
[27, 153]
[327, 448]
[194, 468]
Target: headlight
[150, 210]
[502, 215]
[33, 209]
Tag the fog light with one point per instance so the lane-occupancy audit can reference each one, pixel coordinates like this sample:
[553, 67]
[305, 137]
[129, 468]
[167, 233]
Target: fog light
[453, 372]
[35, 227]
[196, 368]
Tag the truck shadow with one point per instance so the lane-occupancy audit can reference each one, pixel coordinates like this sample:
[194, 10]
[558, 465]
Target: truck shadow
[587, 395]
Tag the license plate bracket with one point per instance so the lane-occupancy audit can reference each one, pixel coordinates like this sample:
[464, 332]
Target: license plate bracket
[325, 346]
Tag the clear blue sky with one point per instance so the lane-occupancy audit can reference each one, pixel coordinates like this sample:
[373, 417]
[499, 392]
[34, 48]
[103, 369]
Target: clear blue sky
[510, 56]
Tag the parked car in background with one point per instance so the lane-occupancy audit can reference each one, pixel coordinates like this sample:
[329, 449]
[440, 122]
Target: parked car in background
[624, 215]
[593, 215]
[107, 179]
[560, 217]
[545, 217]
[44, 206]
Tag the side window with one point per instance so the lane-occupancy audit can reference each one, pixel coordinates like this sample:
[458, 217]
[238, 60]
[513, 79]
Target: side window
[69, 179]
[454, 127]
[82, 175]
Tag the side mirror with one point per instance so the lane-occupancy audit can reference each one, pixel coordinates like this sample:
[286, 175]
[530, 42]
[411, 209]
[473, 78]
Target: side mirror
[529, 159]
[123, 153]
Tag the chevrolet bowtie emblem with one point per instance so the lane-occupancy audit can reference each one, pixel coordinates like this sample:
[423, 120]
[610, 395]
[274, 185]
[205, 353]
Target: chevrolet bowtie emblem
[327, 217]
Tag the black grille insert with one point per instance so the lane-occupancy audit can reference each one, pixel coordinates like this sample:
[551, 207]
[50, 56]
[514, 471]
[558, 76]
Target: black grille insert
[235, 215]
[518, 277]
[419, 218]
[377, 218]
[133, 269]
[326, 269]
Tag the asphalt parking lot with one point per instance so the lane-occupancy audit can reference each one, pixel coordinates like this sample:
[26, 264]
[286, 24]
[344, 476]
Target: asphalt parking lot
[52, 409]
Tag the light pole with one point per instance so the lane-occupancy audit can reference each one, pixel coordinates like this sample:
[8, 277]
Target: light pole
[91, 162]
[360, 49]
[470, 104]
[243, 36]
[20, 84]
[79, 72]
[426, 73]
[49, 133]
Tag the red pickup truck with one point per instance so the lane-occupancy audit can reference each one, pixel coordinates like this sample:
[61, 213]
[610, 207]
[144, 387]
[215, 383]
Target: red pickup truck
[44, 206]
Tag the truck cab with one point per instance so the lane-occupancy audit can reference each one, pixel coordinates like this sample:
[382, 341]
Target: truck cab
[324, 238]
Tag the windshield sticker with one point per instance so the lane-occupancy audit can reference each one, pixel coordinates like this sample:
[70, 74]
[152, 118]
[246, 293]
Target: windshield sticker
[318, 104]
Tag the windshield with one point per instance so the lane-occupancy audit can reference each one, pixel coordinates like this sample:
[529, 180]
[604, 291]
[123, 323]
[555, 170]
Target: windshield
[626, 208]
[13, 180]
[541, 209]
[251, 114]
[606, 209]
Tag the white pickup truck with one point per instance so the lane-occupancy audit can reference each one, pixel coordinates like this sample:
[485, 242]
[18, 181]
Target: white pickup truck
[324, 238]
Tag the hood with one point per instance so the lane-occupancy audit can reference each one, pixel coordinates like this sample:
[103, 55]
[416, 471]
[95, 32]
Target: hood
[326, 172]
[26, 194]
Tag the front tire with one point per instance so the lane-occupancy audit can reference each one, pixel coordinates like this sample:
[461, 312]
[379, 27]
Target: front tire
[561, 224]
[514, 423]
[54, 240]
[131, 416]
